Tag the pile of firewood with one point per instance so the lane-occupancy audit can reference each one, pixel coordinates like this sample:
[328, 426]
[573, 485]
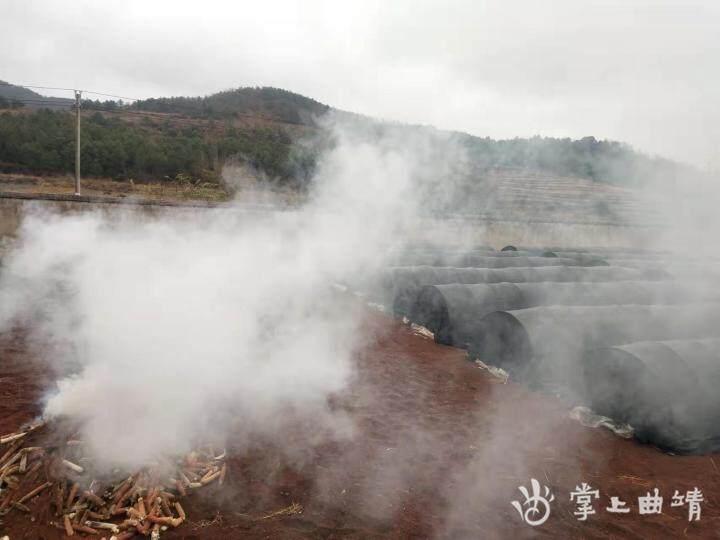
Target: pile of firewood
[58, 480]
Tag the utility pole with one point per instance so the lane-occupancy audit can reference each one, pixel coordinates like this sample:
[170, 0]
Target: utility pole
[78, 94]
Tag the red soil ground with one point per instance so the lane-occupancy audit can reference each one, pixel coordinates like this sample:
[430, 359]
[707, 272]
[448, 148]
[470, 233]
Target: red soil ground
[439, 450]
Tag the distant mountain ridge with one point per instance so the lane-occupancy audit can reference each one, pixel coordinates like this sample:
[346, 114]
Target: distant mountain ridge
[258, 126]
[273, 103]
[30, 98]
[10, 91]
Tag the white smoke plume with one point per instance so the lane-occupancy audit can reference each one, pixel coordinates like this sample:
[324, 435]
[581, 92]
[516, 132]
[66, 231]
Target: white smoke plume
[190, 326]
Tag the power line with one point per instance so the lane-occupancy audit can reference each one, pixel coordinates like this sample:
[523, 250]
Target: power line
[247, 115]
[70, 105]
[30, 86]
[90, 107]
[199, 122]
[111, 95]
[156, 115]
[78, 96]
[60, 102]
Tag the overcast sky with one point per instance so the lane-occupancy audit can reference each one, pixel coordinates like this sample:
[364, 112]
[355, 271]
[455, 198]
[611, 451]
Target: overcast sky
[645, 72]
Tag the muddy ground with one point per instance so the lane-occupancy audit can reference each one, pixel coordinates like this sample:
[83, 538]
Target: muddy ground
[439, 450]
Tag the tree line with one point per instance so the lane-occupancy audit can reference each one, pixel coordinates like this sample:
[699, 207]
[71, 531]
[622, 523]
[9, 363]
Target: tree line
[272, 103]
[141, 148]
[609, 162]
[10, 103]
[194, 136]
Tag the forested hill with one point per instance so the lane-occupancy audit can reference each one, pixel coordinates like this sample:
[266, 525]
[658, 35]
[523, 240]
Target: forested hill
[193, 137]
[270, 103]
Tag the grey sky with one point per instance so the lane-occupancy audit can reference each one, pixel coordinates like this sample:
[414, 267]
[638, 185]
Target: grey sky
[645, 72]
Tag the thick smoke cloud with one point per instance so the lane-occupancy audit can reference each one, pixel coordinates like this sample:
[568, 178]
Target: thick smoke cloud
[189, 326]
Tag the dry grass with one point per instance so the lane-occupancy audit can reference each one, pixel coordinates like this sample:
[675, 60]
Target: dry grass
[166, 190]
[293, 509]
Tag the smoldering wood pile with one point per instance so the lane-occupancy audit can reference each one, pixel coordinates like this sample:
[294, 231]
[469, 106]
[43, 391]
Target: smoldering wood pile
[57, 481]
[561, 324]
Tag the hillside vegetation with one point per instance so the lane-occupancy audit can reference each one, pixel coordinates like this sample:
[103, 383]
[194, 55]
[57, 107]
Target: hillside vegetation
[271, 103]
[43, 141]
[194, 137]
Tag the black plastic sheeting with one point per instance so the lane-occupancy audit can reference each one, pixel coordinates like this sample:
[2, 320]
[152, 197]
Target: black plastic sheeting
[637, 341]
[401, 285]
[473, 260]
[607, 250]
[542, 344]
[455, 253]
[667, 390]
[452, 311]
[439, 256]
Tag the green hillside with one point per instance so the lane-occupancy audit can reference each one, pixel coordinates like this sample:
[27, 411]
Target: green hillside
[161, 138]
[270, 103]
